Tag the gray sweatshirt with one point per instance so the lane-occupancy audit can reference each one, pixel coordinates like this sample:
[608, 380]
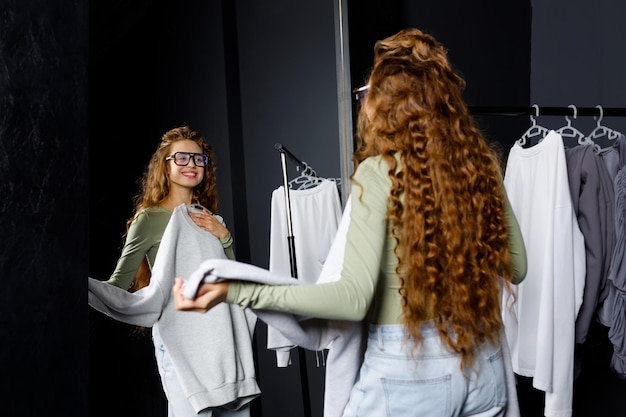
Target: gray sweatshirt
[212, 352]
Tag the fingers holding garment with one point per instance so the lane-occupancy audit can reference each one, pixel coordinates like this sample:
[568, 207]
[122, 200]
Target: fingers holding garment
[207, 297]
[210, 223]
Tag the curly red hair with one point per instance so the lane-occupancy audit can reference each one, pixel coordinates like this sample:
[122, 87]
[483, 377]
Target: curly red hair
[447, 202]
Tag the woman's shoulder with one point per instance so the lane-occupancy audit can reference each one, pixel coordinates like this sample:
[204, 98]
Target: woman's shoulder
[374, 166]
[153, 214]
[379, 162]
[156, 210]
[372, 163]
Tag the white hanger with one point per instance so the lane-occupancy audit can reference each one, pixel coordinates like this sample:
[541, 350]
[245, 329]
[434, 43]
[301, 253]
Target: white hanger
[534, 130]
[569, 131]
[602, 134]
[307, 179]
[197, 208]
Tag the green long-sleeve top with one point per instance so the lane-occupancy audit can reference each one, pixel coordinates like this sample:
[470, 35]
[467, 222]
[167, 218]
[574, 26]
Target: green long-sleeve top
[368, 276]
[143, 240]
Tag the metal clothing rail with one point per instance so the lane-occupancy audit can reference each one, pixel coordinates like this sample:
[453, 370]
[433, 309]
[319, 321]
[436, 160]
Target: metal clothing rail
[304, 378]
[597, 111]
[285, 151]
[292, 249]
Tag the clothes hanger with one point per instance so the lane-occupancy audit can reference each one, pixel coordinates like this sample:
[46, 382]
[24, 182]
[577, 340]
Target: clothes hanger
[601, 136]
[307, 179]
[197, 208]
[569, 131]
[534, 131]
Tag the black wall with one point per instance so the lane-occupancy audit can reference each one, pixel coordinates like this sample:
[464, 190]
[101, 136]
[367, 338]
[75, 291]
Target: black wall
[44, 209]
[87, 88]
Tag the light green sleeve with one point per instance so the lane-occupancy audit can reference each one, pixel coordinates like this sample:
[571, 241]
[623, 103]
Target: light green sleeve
[351, 296]
[143, 239]
[227, 242]
[517, 247]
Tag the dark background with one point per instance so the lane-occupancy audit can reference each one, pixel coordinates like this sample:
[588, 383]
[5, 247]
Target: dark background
[88, 87]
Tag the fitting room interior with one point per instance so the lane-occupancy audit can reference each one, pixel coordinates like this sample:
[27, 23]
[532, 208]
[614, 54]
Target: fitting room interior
[90, 86]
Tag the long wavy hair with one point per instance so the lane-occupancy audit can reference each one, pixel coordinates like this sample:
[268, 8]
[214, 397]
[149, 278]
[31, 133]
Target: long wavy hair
[155, 185]
[447, 209]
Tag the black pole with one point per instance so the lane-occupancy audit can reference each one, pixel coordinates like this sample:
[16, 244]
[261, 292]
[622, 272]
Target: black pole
[304, 377]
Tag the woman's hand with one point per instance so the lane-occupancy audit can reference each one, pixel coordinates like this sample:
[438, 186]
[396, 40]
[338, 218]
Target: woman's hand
[208, 222]
[209, 295]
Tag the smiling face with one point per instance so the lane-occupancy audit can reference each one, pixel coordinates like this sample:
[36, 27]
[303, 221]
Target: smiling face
[187, 176]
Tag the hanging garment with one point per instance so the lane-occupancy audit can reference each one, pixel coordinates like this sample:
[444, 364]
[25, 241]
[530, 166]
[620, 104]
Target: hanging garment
[613, 312]
[200, 346]
[541, 325]
[315, 216]
[345, 340]
[592, 193]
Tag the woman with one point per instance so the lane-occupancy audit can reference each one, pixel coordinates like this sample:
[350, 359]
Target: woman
[181, 171]
[431, 246]
[198, 377]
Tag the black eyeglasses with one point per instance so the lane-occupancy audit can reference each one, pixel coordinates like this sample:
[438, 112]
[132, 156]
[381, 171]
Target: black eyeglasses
[182, 158]
[359, 93]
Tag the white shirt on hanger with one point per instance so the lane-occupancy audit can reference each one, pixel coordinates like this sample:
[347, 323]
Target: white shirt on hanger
[540, 328]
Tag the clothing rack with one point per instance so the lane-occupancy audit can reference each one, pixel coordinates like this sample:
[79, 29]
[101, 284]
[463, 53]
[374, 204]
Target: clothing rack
[294, 269]
[285, 151]
[596, 111]
[290, 238]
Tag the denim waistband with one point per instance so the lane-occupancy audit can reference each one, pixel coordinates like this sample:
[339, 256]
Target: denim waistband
[393, 331]
[385, 334]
